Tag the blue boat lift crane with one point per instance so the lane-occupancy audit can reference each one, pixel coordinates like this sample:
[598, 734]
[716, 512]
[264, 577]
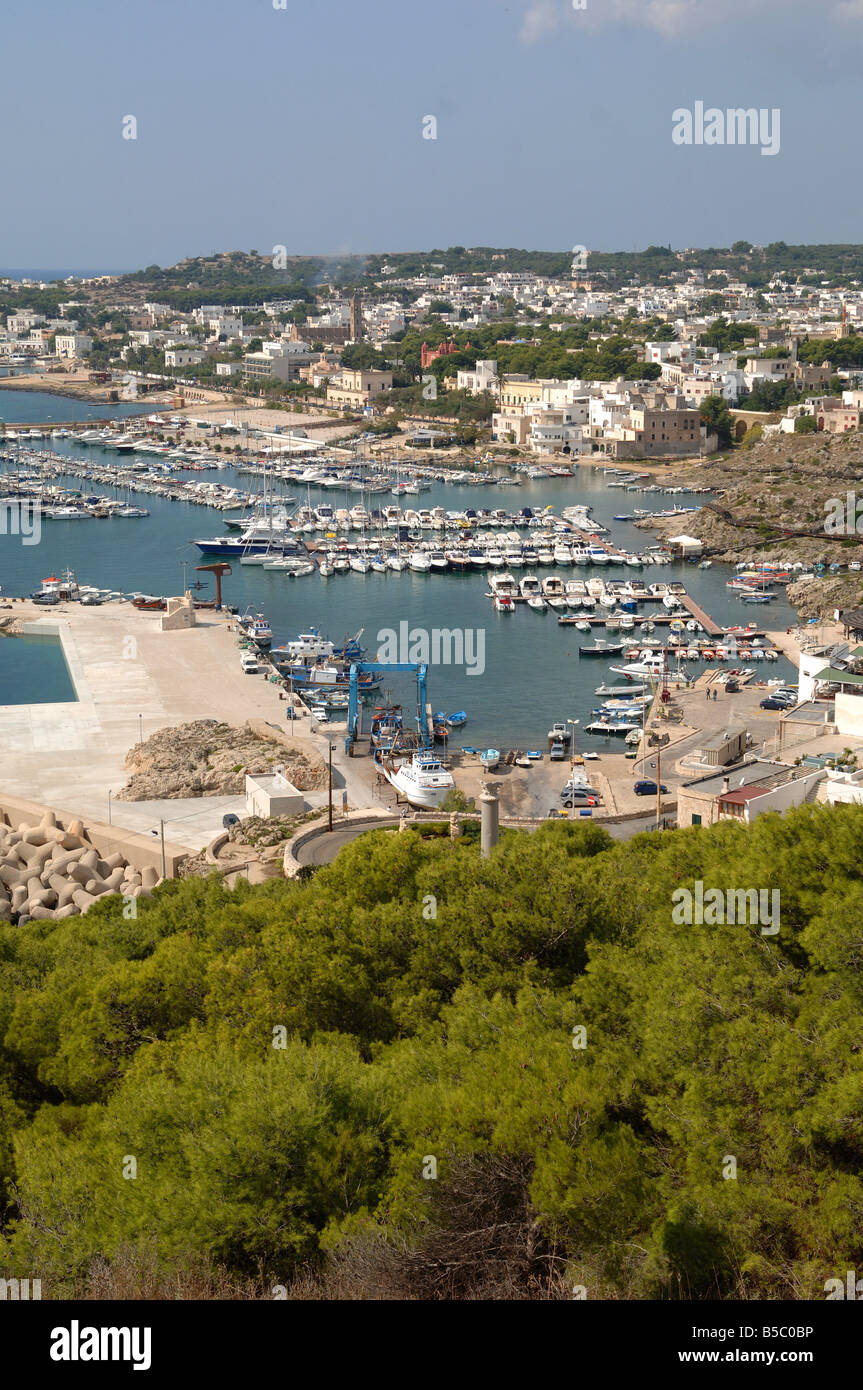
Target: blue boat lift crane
[419, 669]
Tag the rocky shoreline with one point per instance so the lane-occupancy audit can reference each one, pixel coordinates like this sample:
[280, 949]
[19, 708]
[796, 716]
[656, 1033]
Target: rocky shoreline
[81, 392]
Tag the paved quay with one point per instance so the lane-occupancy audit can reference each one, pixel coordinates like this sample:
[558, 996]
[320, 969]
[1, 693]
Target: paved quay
[131, 680]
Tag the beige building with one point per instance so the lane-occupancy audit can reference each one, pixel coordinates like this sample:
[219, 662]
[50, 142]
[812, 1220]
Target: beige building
[520, 391]
[356, 387]
[833, 416]
[745, 791]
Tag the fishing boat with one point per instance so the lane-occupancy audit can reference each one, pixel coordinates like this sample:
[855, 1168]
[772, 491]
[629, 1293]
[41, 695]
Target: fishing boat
[423, 780]
[602, 648]
[457, 720]
[255, 627]
[490, 759]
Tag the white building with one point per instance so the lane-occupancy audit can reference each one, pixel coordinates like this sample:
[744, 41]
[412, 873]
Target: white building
[273, 796]
[73, 345]
[482, 378]
[183, 357]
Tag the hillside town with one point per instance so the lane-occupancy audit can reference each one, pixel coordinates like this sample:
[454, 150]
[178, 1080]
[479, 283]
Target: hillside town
[662, 350]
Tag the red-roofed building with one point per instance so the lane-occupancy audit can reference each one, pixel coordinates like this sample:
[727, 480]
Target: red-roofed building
[429, 355]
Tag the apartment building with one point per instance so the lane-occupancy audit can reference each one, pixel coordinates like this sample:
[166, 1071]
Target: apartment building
[664, 425]
[556, 430]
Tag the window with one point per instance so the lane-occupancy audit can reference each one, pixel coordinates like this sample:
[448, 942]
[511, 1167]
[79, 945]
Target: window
[696, 820]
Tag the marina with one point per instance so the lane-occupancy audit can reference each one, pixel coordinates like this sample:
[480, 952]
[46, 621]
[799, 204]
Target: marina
[531, 673]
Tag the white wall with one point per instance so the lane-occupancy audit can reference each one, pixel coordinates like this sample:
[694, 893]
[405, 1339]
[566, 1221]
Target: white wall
[849, 714]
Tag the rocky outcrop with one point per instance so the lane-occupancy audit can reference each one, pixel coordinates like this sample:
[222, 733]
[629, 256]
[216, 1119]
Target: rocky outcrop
[48, 872]
[817, 598]
[209, 758]
[772, 500]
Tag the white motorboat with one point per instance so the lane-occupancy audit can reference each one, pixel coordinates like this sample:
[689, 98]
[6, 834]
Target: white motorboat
[419, 561]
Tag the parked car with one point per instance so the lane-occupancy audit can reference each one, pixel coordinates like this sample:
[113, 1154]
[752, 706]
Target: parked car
[229, 820]
[774, 702]
[578, 794]
[732, 687]
[557, 752]
[648, 788]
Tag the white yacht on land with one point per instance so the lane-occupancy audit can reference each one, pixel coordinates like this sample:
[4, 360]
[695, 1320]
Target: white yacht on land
[423, 780]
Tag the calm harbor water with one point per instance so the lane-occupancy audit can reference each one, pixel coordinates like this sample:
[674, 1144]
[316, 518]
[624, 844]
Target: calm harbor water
[23, 407]
[33, 670]
[533, 674]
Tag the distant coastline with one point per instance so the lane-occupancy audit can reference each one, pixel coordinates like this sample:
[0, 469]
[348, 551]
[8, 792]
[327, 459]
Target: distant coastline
[51, 275]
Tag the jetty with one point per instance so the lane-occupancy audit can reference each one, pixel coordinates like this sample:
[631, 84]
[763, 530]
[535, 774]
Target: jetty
[711, 627]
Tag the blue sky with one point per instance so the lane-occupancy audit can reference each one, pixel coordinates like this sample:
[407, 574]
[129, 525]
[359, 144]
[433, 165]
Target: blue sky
[303, 127]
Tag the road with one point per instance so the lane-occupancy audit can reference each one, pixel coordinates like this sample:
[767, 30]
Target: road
[324, 847]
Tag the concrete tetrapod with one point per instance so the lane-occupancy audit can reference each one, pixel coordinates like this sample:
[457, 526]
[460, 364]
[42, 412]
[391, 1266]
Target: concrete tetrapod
[50, 873]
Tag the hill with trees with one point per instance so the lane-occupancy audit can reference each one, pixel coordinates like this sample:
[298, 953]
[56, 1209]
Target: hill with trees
[423, 1074]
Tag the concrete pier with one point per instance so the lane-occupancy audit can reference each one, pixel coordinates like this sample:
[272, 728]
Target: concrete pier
[131, 679]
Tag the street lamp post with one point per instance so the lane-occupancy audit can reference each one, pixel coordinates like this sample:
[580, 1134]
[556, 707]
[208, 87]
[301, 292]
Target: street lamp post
[109, 805]
[141, 730]
[331, 788]
[573, 722]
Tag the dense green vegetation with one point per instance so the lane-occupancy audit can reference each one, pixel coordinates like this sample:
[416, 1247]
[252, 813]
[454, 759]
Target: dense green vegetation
[283, 1063]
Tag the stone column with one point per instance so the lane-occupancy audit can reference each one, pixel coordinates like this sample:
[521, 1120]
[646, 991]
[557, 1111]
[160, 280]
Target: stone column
[490, 824]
